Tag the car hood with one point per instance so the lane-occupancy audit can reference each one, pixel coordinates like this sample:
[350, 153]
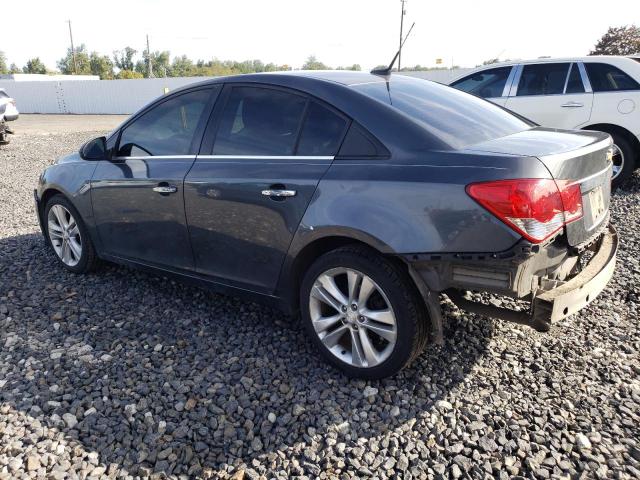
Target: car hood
[567, 154]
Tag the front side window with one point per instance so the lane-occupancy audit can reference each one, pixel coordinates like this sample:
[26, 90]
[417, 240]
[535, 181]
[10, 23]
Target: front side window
[259, 121]
[485, 84]
[322, 131]
[607, 78]
[166, 129]
[543, 79]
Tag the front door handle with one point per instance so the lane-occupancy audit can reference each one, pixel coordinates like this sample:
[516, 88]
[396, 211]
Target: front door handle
[572, 105]
[279, 193]
[165, 189]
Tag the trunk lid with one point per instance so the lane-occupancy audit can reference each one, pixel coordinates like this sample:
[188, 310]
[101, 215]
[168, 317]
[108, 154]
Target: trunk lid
[577, 156]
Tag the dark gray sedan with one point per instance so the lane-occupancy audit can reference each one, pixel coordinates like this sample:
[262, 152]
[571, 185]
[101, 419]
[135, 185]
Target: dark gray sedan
[351, 198]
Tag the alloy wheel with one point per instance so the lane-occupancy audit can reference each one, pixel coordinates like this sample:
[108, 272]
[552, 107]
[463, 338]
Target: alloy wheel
[618, 161]
[64, 235]
[353, 317]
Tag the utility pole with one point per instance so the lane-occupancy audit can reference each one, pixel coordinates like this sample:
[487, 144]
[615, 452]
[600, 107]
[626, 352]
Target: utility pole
[73, 51]
[150, 66]
[401, 22]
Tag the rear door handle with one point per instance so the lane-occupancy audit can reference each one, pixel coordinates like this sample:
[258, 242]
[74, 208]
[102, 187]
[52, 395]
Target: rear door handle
[165, 189]
[572, 105]
[279, 193]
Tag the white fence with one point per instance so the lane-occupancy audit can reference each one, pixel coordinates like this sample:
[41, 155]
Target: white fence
[90, 97]
[119, 96]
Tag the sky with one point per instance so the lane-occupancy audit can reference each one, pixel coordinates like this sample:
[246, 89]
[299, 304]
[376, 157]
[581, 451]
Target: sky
[337, 32]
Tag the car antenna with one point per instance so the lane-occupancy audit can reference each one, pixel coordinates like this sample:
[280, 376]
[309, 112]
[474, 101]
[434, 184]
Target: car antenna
[387, 71]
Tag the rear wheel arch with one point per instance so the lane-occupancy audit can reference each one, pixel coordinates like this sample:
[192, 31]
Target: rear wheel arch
[292, 275]
[611, 129]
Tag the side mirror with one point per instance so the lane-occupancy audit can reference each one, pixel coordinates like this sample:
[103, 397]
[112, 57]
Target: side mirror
[95, 149]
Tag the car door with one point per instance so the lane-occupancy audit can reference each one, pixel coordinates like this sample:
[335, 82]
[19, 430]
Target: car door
[137, 195]
[266, 151]
[551, 94]
[492, 84]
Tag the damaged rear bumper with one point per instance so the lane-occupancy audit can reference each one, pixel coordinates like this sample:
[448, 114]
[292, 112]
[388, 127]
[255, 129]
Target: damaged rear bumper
[563, 298]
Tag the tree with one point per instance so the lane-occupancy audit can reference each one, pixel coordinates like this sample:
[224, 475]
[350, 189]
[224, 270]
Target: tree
[182, 67]
[68, 66]
[355, 67]
[101, 65]
[14, 68]
[128, 74]
[159, 62]
[3, 63]
[314, 64]
[491, 61]
[124, 58]
[619, 41]
[34, 65]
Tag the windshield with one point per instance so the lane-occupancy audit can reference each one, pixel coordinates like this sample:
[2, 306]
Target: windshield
[455, 117]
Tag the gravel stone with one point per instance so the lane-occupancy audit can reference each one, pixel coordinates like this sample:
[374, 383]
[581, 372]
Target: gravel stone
[70, 420]
[226, 388]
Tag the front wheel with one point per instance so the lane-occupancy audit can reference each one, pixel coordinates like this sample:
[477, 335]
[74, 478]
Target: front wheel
[67, 236]
[363, 313]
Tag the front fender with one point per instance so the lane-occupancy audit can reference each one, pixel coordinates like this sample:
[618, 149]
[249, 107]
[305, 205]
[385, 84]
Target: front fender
[73, 180]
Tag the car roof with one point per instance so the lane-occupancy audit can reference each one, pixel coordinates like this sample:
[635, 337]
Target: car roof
[343, 77]
[629, 61]
[589, 58]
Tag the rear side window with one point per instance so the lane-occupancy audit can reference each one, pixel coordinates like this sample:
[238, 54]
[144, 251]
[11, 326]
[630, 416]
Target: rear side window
[166, 129]
[607, 78]
[453, 117]
[574, 83]
[543, 79]
[322, 131]
[259, 121]
[357, 143]
[485, 84]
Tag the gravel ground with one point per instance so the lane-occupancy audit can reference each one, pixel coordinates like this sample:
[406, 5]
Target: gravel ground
[123, 374]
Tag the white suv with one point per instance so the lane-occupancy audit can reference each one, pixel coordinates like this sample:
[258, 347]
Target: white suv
[592, 93]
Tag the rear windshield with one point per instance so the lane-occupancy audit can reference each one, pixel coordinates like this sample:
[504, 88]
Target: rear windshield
[456, 118]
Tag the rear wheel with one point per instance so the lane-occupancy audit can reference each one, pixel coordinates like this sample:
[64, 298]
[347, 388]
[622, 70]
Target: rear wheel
[67, 236]
[623, 160]
[363, 313]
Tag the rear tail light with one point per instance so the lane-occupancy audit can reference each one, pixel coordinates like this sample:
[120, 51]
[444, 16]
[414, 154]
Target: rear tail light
[535, 208]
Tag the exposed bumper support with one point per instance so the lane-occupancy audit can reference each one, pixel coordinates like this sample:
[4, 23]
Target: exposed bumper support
[554, 304]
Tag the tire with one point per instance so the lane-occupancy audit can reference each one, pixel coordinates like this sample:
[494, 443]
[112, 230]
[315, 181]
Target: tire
[622, 151]
[58, 210]
[4, 135]
[389, 286]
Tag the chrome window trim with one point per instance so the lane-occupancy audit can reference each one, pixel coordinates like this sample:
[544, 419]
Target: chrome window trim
[585, 78]
[266, 157]
[160, 157]
[516, 80]
[566, 79]
[507, 85]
